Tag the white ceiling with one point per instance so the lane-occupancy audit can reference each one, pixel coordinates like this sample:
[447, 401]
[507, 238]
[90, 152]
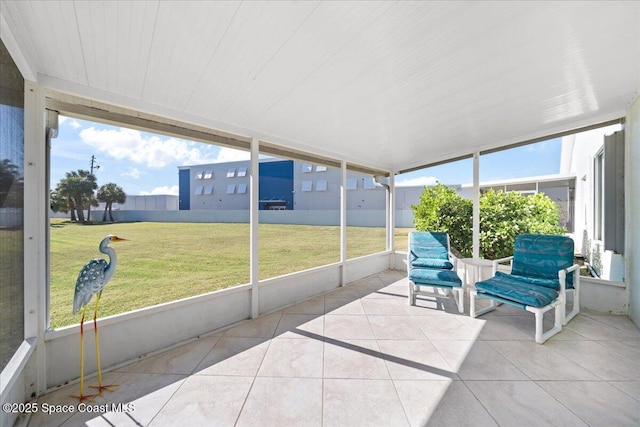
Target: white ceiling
[392, 85]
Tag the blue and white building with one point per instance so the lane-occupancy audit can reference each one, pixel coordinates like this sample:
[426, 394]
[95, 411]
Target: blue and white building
[283, 185]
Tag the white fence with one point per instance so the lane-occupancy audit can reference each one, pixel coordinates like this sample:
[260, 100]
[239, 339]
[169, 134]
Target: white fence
[359, 218]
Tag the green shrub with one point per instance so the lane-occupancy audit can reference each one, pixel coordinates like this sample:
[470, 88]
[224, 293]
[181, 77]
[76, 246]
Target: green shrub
[502, 217]
[442, 209]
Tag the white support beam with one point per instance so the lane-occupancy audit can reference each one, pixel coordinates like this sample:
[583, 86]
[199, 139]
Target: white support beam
[476, 205]
[392, 214]
[36, 228]
[254, 221]
[343, 221]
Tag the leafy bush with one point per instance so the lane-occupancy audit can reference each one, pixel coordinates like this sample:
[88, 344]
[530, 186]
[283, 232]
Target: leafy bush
[502, 217]
[442, 209]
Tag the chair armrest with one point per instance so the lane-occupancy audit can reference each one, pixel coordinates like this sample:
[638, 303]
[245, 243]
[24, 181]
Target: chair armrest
[562, 276]
[573, 268]
[498, 261]
[454, 260]
[407, 261]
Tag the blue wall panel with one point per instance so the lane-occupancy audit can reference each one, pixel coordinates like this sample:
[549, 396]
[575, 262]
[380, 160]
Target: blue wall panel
[184, 194]
[276, 183]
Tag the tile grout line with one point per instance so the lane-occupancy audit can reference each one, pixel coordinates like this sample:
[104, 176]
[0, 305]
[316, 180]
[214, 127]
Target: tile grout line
[560, 403]
[253, 380]
[184, 380]
[479, 401]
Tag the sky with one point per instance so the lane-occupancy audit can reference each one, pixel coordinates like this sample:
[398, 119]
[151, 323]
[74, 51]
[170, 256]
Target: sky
[542, 158]
[144, 163]
[141, 163]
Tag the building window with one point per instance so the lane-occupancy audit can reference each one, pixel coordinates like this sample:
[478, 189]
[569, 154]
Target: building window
[208, 189]
[320, 168]
[307, 185]
[199, 175]
[231, 188]
[242, 172]
[231, 172]
[306, 168]
[369, 184]
[208, 174]
[242, 188]
[198, 191]
[352, 183]
[321, 185]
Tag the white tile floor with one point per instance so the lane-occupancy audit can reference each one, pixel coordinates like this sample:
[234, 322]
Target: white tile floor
[360, 356]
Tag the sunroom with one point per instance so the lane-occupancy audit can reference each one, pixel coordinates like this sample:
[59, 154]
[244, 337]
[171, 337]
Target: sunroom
[363, 92]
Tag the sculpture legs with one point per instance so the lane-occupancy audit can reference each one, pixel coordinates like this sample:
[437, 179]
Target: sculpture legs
[100, 387]
[82, 396]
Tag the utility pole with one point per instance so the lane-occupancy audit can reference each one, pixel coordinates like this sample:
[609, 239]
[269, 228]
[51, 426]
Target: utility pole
[96, 166]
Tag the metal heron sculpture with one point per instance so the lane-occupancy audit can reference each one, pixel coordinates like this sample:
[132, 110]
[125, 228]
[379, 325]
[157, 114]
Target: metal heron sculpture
[91, 281]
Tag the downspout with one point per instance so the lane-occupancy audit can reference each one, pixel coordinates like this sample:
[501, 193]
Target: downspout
[376, 181]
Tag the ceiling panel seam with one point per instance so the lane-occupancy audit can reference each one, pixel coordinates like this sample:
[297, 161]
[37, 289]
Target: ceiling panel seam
[146, 70]
[215, 51]
[311, 73]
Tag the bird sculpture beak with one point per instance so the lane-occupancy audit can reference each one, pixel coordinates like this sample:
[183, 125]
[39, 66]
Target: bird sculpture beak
[117, 239]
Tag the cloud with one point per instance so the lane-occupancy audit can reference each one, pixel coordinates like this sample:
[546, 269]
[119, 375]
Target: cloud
[537, 147]
[75, 124]
[133, 173]
[165, 189]
[152, 151]
[419, 181]
[231, 155]
[72, 122]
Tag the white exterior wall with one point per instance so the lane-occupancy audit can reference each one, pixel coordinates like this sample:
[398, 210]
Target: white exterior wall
[314, 199]
[164, 202]
[632, 200]
[357, 199]
[360, 198]
[219, 199]
[586, 146]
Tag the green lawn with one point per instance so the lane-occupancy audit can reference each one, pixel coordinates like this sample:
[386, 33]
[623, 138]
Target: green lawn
[164, 262]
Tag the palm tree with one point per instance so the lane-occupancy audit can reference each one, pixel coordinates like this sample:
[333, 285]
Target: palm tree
[110, 193]
[78, 186]
[60, 203]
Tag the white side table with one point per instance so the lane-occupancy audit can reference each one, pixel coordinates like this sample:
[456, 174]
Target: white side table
[478, 265]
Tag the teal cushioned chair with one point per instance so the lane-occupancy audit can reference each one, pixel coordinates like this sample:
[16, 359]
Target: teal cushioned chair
[542, 272]
[430, 263]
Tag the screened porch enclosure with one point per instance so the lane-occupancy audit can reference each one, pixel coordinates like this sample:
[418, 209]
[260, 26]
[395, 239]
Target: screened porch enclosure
[367, 90]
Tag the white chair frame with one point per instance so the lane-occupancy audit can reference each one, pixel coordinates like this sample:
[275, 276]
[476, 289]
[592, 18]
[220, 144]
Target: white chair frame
[414, 289]
[561, 318]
